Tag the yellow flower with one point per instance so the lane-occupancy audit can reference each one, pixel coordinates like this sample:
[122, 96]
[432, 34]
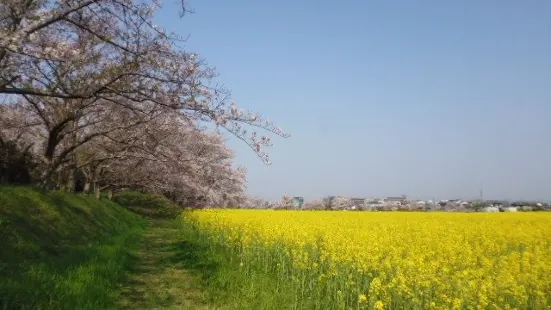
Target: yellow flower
[362, 298]
[438, 260]
[379, 305]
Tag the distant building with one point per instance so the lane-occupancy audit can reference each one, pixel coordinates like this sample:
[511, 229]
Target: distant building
[396, 201]
[522, 203]
[496, 203]
[374, 203]
[357, 202]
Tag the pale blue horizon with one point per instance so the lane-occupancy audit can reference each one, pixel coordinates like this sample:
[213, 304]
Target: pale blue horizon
[428, 99]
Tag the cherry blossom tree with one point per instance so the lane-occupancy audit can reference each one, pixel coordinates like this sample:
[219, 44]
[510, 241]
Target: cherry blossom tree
[286, 202]
[93, 52]
[100, 95]
[253, 202]
[314, 205]
[166, 154]
[340, 203]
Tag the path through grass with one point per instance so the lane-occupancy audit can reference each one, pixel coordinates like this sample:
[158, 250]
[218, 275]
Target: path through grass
[160, 279]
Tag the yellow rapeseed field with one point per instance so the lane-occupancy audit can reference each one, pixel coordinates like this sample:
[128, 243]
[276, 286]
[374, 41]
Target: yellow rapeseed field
[395, 260]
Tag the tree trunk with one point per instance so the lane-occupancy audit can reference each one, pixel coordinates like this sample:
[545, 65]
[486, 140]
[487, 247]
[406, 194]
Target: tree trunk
[55, 136]
[60, 183]
[45, 177]
[86, 189]
[97, 191]
[71, 179]
[71, 183]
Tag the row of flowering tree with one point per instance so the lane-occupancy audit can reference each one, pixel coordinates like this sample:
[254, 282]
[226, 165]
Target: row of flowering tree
[94, 96]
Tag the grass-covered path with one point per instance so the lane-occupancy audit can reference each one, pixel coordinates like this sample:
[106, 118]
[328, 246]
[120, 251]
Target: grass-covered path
[60, 250]
[160, 278]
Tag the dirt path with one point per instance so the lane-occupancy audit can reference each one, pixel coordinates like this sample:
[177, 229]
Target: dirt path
[158, 280]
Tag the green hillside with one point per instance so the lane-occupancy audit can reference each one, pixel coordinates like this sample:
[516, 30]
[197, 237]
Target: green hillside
[63, 250]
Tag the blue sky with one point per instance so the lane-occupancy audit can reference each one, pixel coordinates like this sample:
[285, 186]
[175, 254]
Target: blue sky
[431, 99]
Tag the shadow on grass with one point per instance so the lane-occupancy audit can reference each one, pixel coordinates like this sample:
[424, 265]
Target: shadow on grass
[62, 250]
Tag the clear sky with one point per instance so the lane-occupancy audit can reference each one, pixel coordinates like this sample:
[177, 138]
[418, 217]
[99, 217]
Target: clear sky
[423, 98]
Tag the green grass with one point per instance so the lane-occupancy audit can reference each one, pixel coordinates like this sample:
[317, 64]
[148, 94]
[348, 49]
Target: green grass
[60, 250]
[161, 279]
[226, 282]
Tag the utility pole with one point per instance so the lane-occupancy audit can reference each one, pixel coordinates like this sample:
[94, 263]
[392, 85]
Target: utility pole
[481, 194]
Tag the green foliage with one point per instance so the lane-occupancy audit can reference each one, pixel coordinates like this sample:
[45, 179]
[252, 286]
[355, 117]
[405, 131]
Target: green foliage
[63, 251]
[147, 204]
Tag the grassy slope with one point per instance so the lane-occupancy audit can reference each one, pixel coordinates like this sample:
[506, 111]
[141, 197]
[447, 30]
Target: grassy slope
[147, 204]
[64, 251]
[61, 250]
